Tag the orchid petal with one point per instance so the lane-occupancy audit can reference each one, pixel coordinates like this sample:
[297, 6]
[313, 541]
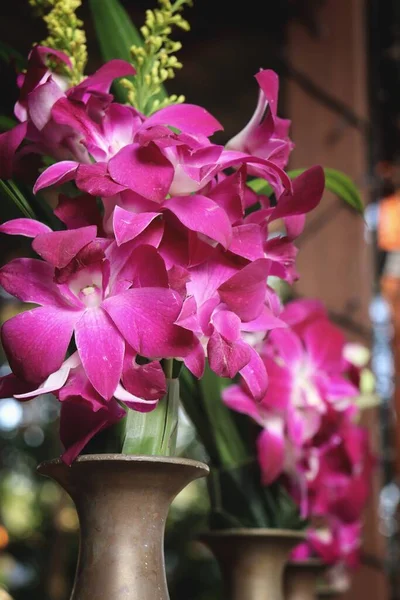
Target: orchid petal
[271, 450]
[145, 317]
[201, 214]
[30, 280]
[40, 102]
[247, 241]
[101, 350]
[133, 401]
[244, 293]
[300, 312]
[307, 193]
[209, 276]
[324, 343]
[56, 174]
[255, 375]
[229, 194]
[55, 381]
[78, 212]
[145, 381]
[144, 170]
[26, 227]
[128, 225]
[265, 321]
[144, 268]
[102, 79]
[189, 118]
[227, 358]
[9, 144]
[95, 180]
[36, 341]
[237, 399]
[60, 247]
[195, 361]
[278, 395]
[11, 385]
[227, 324]
[79, 423]
[289, 346]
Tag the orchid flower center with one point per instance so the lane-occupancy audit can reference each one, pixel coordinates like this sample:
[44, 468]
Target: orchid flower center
[87, 285]
[306, 392]
[91, 296]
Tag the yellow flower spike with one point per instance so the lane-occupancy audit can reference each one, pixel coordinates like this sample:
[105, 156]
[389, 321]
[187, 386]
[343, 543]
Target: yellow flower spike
[65, 33]
[155, 62]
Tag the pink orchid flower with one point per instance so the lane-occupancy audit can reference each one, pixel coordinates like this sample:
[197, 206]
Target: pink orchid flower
[306, 377]
[84, 412]
[78, 292]
[42, 128]
[335, 543]
[266, 135]
[225, 302]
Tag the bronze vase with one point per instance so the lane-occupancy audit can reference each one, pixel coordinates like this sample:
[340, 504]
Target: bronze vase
[252, 561]
[301, 579]
[122, 503]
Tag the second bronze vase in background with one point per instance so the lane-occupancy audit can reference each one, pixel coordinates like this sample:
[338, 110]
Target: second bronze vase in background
[301, 579]
[252, 561]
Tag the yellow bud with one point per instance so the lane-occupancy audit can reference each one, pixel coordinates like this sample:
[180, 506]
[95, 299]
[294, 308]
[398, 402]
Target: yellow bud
[159, 17]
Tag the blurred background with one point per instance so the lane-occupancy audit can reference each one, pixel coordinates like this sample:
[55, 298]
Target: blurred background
[339, 64]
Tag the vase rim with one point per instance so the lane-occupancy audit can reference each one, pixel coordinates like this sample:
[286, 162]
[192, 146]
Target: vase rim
[255, 532]
[134, 458]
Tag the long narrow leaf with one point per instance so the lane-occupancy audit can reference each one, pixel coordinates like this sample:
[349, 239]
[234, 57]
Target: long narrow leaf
[10, 191]
[335, 181]
[116, 34]
[341, 185]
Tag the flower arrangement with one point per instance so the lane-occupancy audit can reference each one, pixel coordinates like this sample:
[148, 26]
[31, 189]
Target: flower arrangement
[153, 284]
[154, 267]
[158, 257]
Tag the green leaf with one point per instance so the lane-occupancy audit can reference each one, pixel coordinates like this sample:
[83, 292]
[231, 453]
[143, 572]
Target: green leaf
[10, 55]
[154, 433]
[6, 123]
[30, 205]
[116, 34]
[341, 185]
[10, 191]
[260, 186]
[335, 181]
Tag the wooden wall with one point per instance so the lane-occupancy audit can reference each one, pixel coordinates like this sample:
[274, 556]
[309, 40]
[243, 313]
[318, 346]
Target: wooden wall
[335, 262]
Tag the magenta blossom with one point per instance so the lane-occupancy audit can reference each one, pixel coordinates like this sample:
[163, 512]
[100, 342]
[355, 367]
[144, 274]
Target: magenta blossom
[266, 135]
[41, 129]
[335, 543]
[306, 376]
[79, 292]
[163, 256]
[84, 412]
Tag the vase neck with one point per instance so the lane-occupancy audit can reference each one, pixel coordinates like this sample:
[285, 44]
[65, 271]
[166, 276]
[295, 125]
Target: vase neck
[122, 507]
[252, 566]
[301, 580]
